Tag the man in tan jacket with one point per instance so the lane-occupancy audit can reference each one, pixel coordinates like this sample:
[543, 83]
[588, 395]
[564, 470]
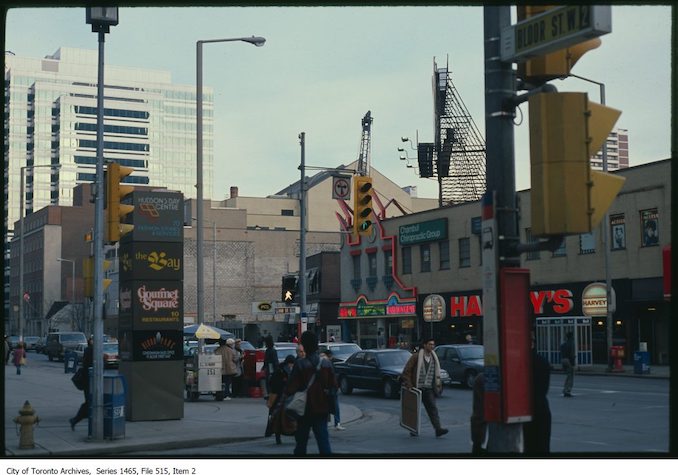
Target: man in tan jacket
[422, 371]
[228, 368]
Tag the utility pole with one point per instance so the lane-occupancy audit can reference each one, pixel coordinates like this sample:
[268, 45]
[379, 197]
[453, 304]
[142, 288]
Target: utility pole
[302, 233]
[500, 89]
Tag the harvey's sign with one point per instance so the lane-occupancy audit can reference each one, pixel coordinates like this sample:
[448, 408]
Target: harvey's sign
[558, 301]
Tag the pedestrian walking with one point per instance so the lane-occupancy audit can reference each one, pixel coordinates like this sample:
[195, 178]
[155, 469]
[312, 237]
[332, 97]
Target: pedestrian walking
[19, 356]
[270, 362]
[422, 371]
[327, 354]
[478, 424]
[228, 369]
[318, 401]
[537, 432]
[568, 360]
[87, 359]
[278, 422]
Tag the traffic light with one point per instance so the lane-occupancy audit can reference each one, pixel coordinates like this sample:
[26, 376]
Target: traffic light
[362, 205]
[552, 65]
[115, 211]
[88, 275]
[566, 129]
[289, 288]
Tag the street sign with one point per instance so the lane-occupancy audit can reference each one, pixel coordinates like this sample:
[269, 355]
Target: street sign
[553, 30]
[341, 188]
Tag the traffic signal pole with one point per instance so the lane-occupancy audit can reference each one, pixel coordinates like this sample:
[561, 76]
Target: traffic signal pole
[302, 233]
[97, 404]
[499, 96]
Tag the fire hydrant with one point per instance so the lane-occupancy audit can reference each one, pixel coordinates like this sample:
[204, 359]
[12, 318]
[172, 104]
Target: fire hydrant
[26, 420]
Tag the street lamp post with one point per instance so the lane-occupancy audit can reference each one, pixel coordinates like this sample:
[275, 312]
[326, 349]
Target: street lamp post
[214, 269]
[101, 19]
[21, 243]
[256, 41]
[606, 233]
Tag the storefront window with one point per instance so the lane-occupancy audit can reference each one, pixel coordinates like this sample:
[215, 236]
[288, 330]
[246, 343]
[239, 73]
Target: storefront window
[368, 334]
[587, 243]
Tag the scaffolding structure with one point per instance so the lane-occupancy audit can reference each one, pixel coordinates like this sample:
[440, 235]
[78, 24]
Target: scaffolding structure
[459, 148]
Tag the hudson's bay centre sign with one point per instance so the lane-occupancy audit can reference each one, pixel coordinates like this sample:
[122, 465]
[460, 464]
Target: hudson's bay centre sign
[434, 230]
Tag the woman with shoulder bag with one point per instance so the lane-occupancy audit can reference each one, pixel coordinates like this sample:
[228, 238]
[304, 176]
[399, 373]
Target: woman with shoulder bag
[19, 357]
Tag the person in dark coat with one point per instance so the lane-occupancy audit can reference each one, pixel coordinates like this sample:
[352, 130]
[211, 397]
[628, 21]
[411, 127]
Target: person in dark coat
[276, 424]
[87, 360]
[537, 432]
[270, 361]
[478, 424]
[569, 361]
[319, 402]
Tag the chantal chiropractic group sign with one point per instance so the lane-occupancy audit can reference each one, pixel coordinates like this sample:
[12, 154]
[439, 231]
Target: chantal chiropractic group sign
[426, 231]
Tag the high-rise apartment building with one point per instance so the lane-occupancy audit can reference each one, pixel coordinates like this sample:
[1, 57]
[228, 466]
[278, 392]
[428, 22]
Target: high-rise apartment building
[617, 151]
[50, 117]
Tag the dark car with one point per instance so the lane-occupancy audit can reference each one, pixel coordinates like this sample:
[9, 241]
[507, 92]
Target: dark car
[379, 370]
[462, 362]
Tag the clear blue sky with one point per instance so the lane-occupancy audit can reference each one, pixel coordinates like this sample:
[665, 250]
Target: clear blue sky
[322, 68]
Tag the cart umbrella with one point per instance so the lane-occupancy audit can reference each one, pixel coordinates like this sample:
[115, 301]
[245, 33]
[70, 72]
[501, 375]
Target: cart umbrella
[203, 331]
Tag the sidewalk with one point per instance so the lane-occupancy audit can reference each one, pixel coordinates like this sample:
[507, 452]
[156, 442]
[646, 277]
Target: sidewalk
[662, 372]
[205, 422]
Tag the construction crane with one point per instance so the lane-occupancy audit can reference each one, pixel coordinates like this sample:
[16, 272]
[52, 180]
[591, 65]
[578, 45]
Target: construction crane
[459, 148]
[364, 157]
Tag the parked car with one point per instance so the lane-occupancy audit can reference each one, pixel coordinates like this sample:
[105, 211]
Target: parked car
[59, 342]
[40, 345]
[79, 351]
[285, 349]
[12, 340]
[340, 351]
[462, 362]
[30, 342]
[379, 370]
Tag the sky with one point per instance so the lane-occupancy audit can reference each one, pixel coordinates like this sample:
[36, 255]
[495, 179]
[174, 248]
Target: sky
[323, 68]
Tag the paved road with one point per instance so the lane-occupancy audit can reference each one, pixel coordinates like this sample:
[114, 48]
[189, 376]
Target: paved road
[613, 415]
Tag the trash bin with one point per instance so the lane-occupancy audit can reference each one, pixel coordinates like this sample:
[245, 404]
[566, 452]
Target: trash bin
[641, 362]
[70, 361]
[115, 388]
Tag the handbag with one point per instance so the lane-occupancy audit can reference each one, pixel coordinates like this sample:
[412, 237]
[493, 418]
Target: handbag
[79, 379]
[295, 405]
[22, 361]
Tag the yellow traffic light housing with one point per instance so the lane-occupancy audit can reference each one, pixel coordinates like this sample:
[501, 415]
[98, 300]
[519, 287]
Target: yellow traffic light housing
[552, 65]
[362, 205]
[88, 275]
[115, 211]
[566, 129]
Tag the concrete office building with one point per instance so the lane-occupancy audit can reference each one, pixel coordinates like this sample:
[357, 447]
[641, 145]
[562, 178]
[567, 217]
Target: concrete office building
[50, 118]
[617, 151]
